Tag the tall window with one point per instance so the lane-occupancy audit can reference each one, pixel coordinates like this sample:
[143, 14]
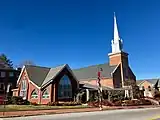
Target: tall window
[45, 94]
[3, 74]
[65, 88]
[34, 94]
[23, 91]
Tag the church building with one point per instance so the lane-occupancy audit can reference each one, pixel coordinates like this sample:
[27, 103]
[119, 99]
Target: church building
[43, 84]
[116, 73]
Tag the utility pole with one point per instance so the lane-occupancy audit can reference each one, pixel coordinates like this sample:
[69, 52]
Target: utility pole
[100, 89]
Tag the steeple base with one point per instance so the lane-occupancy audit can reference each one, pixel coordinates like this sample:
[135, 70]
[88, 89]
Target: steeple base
[117, 58]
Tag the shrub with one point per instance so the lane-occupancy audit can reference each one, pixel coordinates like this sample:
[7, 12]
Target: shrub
[63, 104]
[132, 102]
[145, 102]
[157, 95]
[17, 100]
[104, 102]
[118, 103]
[52, 103]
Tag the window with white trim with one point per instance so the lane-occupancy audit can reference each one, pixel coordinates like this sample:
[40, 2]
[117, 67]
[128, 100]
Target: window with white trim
[34, 94]
[45, 94]
[3, 74]
[23, 91]
[65, 87]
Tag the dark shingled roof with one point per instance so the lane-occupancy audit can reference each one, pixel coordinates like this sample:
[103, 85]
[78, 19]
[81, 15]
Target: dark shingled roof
[42, 75]
[37, 74]
[91, 71]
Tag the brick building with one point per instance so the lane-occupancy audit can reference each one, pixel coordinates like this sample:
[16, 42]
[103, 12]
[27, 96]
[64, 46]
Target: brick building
[117, 73]
[8, 79]
[148, 86]
[42, 85]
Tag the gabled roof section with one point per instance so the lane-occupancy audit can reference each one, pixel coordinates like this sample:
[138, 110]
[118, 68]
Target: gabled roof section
[95, 87]
[152, 81]
[53, 73]
[37, 74]
[91, 71]
[139, 82]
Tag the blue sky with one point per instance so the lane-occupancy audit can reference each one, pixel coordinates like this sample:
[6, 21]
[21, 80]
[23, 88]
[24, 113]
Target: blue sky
[79, 32]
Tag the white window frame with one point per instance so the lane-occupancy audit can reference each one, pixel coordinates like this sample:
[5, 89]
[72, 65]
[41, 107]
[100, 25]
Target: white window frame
[23, 91]
[45, 96]
[34, 96]
[3, 74]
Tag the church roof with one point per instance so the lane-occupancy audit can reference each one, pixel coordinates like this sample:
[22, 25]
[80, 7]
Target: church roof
[90, 72]
[53, 73]
[42, 75]
[37, 74]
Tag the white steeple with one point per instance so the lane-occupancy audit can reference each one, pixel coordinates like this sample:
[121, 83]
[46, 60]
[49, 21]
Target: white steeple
[116, 42]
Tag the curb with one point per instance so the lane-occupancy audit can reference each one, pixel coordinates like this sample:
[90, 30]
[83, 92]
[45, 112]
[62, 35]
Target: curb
[91, 110]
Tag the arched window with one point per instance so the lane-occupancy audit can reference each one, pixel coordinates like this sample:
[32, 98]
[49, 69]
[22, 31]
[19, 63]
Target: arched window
[45, 94]
[34, 94]
[65, 87]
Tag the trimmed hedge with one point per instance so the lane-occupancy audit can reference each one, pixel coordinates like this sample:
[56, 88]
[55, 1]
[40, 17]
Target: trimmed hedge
[121, 103]
[63, 104]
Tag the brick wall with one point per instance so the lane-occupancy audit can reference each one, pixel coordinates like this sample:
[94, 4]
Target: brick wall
[46, 100]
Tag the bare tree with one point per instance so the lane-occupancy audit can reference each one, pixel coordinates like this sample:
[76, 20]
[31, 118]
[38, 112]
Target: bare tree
[26, 62]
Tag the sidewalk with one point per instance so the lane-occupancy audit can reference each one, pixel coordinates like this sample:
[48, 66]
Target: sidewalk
[61, 111]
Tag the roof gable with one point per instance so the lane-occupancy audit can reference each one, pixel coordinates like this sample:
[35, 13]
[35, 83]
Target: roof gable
[91, 71]
[53, 72]
[41, 76]
[37, 74]
[151, 81]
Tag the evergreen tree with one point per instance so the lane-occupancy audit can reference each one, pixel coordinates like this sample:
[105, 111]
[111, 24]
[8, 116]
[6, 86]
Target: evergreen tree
[6, 60]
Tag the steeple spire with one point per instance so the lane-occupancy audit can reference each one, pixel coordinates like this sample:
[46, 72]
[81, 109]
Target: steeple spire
[116, 34]
[116, 42]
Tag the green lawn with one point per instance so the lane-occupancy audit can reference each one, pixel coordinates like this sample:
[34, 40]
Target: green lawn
[38, 107]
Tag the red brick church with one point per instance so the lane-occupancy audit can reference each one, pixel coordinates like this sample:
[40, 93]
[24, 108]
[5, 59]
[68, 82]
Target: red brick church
[43, 84]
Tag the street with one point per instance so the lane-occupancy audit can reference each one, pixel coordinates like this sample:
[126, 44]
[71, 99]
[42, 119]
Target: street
[130, 114]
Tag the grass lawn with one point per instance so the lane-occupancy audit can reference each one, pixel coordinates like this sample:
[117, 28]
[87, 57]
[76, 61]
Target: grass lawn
[37, 107]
